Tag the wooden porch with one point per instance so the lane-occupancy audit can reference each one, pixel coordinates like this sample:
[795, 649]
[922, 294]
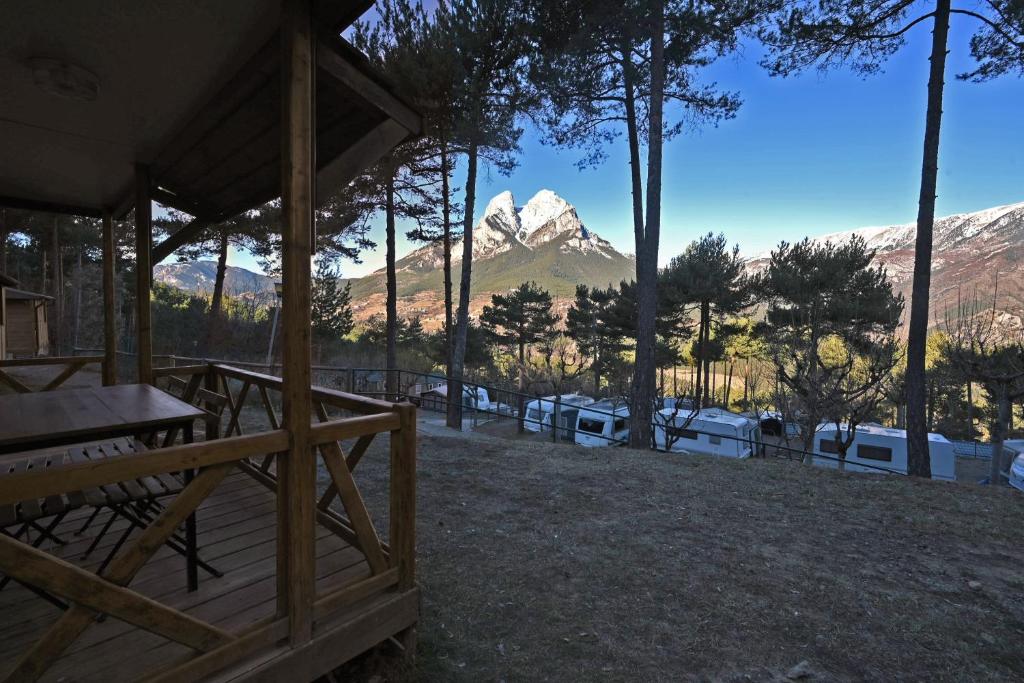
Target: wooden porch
[213, 109]
[234, 626]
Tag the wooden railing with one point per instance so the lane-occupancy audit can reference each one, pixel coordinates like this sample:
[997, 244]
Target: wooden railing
[71, 365]
[391, 567]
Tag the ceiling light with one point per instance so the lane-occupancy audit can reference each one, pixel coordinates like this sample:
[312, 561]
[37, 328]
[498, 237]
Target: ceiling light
[64, 79]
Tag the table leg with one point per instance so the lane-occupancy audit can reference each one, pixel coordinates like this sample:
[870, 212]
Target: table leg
[191, 552]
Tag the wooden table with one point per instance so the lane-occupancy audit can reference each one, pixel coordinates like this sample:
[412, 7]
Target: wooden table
[57, 418]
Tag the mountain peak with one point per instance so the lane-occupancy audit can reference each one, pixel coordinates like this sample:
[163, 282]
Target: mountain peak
[543, 207]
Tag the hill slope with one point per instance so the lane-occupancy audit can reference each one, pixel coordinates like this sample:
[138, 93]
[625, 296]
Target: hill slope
[973, 253]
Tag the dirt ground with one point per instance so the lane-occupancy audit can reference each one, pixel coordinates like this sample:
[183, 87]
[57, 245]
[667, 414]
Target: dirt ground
[544, 562]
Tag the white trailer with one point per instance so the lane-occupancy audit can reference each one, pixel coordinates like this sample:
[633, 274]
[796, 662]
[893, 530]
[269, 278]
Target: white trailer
[880, 449]
[540, 413]
[711, 431]
[1016, 477]
[605, 423]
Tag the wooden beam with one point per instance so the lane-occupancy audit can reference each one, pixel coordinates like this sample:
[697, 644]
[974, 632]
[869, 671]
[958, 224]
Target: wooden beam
[331, 61]
[297, 471]
[49, 207]
[14, 383]
[109, 302]
[63, 579]
[351, 427]
[361, 155]
[402, 536]
[352, 500]
[143, 274]
[67, 372]
[180, 238]
[40, 484]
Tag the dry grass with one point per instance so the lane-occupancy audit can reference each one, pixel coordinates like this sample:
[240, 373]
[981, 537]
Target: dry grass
[559, 563]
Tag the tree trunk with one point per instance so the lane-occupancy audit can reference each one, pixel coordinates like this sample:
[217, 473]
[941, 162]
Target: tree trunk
[970, 411]
[78, 298]
[391, 322]
[728, 385]
[446, 217]
[998, 435]
[698, 386]
[918, 459]
[213, 325]
[3, 241]
[58, 289]
[522, 386]
[647, 249]
[462, 320]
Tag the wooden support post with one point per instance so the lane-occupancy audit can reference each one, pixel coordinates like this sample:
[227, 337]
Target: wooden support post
[109, 304]
[297, 470]
[143, 273]
[402, 535]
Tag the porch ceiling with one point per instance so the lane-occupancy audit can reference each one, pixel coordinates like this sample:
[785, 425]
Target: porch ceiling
[191, 89]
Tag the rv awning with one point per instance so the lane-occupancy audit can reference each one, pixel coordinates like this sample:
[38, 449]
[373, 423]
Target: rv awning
[192, 90]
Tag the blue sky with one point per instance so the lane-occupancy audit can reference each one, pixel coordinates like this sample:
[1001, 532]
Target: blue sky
[805, 155]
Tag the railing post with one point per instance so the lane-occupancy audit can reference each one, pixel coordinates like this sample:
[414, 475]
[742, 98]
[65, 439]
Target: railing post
[402, 535]
[143, 274]
[555, 412]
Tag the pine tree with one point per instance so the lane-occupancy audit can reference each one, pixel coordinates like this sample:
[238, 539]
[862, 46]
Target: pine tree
[589, 323]
[863, 34]
[518, 320]
[830, 328]
[331, 304]
[488, 46]
[713, 278]
[607, 65]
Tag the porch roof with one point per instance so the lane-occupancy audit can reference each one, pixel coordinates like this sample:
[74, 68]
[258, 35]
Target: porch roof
[191, 90]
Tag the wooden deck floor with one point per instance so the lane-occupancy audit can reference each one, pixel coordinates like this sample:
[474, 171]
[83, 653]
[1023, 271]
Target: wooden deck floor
[236, 534]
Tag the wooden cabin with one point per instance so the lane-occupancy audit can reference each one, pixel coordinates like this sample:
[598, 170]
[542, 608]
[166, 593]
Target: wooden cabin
[224, 561]
[23, 321]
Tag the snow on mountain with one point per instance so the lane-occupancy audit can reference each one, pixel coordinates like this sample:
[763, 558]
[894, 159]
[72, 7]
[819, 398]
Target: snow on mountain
[543, 207]
[949, 231]
[546, 217]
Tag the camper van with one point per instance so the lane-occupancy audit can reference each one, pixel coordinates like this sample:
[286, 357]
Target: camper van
[711, 431]
[1016, 476]
[436, 398]
[540, 412]
[877, 449]
[605, 423]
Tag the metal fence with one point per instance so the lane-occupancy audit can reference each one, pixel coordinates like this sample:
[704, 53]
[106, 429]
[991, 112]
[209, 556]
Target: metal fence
[425, 390]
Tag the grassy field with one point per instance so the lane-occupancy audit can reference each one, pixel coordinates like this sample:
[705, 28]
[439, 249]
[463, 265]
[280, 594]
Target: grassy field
[544, 562]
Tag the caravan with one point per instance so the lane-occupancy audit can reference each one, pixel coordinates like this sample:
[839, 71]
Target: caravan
[711, 431]
[877, 449]
[1016, 475]
[540, 413]
[604, 423]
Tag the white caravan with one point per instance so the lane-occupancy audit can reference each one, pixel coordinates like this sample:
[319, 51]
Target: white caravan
[877, 449]
[711, 431]
[540, 412]
[605, 423]
[472, 397]
[1017, 466]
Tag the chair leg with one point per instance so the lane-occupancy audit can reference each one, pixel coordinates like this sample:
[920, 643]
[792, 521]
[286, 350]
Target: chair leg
[96, 541]
[88, 522]
[120, 541]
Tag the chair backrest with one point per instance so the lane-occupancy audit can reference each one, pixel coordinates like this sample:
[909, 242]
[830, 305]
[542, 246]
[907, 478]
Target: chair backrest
[176, 386]
[205, 398]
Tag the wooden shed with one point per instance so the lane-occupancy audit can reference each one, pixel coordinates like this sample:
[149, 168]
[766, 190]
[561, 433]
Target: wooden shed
[23, 321]
[213, 108]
